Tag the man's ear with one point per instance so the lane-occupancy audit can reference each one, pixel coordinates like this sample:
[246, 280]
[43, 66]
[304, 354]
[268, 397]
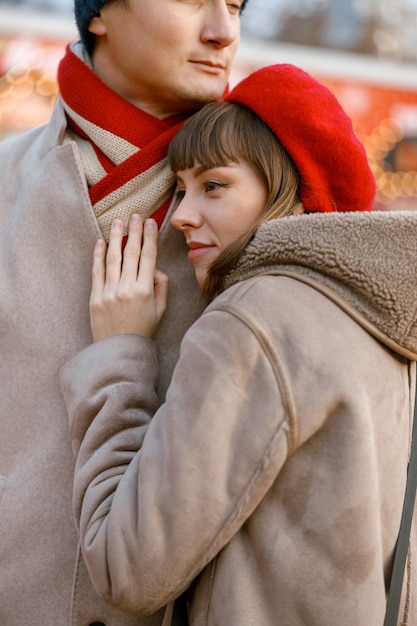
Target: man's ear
[97, 25]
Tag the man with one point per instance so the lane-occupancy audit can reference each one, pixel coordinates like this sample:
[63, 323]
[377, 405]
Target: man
[142, 68]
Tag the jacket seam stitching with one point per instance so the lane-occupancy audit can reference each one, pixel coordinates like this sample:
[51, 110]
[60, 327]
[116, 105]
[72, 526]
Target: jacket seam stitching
[281, 374]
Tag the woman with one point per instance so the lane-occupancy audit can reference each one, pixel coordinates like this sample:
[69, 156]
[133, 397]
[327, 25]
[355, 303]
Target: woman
[270, 481]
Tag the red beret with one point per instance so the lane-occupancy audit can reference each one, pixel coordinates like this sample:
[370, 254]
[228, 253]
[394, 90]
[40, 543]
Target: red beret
[317, 134]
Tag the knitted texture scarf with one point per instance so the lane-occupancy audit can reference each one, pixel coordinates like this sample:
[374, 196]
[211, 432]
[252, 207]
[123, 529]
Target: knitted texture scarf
[122, 148]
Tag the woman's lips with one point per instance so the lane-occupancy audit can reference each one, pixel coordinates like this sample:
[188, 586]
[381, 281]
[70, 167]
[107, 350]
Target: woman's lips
[198, 249]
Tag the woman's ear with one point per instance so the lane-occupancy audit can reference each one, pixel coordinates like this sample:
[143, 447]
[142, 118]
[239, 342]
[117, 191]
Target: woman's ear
[298, 209]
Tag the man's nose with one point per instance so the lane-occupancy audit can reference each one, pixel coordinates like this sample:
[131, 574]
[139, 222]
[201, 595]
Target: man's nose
[220, 28]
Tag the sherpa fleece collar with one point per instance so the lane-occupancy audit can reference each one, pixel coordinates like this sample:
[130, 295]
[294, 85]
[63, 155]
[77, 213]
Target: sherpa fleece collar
[366, 262]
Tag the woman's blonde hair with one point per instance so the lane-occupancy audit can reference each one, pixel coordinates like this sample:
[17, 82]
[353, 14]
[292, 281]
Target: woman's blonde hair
[225, 132]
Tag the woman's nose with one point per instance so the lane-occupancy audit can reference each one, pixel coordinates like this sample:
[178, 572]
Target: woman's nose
[186, 215]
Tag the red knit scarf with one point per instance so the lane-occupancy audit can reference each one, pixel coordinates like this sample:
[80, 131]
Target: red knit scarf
[87, 98]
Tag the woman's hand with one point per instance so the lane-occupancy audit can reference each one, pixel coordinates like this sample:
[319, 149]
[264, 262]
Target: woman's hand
[129, 294]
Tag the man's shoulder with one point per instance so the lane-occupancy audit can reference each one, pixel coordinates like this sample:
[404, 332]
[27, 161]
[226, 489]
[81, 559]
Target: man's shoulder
[19, 155]
[49, 133]
[20, 141]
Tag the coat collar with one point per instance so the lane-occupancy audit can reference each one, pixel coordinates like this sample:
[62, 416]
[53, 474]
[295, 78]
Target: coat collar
[365, 262]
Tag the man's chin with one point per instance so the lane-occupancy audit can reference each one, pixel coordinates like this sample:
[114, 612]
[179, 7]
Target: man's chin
[188, 100]
[204, 97]
[207, 91]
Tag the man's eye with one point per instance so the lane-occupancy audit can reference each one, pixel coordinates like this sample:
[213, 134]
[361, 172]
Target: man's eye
[234, 7]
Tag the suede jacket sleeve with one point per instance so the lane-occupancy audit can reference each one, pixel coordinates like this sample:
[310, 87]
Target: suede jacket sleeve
[157, 498]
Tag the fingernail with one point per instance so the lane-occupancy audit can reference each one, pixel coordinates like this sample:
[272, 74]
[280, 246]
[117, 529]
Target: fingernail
[117, 224]
[150, 224]
[135, 218]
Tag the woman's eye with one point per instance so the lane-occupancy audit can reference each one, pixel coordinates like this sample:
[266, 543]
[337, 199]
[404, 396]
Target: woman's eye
[179, 194]
[211, 185]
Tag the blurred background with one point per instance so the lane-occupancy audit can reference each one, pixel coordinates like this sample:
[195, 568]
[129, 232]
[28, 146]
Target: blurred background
[365, 51]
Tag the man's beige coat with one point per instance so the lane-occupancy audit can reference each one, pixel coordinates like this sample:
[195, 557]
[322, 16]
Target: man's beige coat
[47, 235]
[273, 476]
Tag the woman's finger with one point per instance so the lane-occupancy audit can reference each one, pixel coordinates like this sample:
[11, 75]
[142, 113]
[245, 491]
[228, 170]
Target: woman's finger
[114, 255]
[99, 269]
[148, 254]
[161, 284]
[132, 251]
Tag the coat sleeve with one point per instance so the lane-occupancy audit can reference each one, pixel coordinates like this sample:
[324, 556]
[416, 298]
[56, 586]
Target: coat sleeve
[153, 509]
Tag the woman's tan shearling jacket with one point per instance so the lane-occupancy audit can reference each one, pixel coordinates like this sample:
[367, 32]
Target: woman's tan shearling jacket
[274, 474]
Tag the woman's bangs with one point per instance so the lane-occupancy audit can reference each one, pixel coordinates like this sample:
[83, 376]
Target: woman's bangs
[206, 139]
